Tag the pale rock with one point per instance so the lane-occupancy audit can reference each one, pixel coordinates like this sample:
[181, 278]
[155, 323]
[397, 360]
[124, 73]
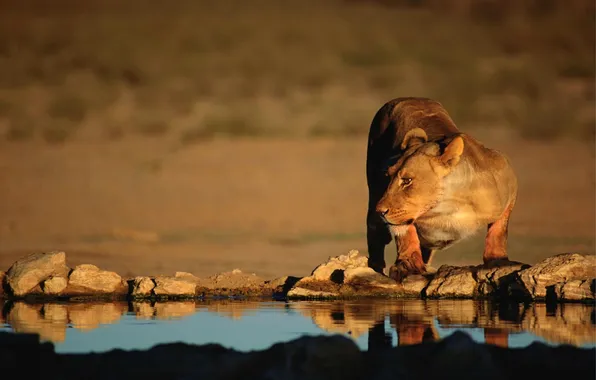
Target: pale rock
[174, 286]
[142, 286]
[360, 276]
[91, 278]
[558, 269]
[414, 284]
[576, 290]
[303, 292]
[329, 269]
[27, 273]
[452, 282]
[55, 285]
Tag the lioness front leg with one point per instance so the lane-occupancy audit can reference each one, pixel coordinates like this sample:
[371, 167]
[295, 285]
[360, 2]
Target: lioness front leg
[377, 237]
[409, 255]
[495, 243]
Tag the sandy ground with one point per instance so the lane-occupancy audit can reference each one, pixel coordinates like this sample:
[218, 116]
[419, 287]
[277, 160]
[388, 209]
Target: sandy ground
[272, 207]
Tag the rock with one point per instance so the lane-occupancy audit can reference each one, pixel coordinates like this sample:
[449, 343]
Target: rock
[414, 284]
[309, 288]
[188, 276]
[452, 282]
[174, 286]
[555, 271]
[89, 278]
[54, 285]
[27, 273]
[497, 276]
[335, 265]
[365, 276]
[576, 290]
[142, 286]
[237, 279]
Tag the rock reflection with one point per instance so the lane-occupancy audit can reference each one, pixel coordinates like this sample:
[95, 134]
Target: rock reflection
[416, 321]
[90, 316]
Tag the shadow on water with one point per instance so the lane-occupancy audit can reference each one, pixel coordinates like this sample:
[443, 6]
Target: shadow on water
[375, 325]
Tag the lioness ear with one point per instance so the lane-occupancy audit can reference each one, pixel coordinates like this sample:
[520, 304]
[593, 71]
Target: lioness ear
[414, 136]
[453, 152]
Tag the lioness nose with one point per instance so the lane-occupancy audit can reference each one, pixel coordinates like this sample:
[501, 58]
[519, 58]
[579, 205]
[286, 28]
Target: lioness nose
[382, 210]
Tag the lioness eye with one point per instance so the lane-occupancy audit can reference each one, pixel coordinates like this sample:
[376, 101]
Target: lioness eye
[406, 181]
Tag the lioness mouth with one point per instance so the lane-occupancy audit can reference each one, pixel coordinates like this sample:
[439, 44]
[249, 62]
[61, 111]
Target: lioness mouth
[406, 223]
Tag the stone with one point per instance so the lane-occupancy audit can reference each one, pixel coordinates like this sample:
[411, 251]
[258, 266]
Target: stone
[236, 279]
[576, 290]
[452, 282]
[55, 285]
[142, 286]
[174, 286]
[365, 276]
[328, 270]
[556, 271]
[29, 272]
[186, 275]
[299, 292]
[497, 276]
[90, 278]
[414, 284]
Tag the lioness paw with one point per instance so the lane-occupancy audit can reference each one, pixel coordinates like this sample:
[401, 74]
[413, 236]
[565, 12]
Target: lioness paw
[403, 268]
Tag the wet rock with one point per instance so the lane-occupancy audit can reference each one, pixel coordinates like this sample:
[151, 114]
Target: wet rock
[452, 282]
[542, 279]
[413, 285]
[88, 278]
[497, 276]
[174, 286]
[54, 285]
[27, 273]
[336, 265]
[576, 290]
[142, 286]
[307, 287]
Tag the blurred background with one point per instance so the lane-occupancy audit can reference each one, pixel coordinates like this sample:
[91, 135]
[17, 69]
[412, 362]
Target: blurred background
[148, 137]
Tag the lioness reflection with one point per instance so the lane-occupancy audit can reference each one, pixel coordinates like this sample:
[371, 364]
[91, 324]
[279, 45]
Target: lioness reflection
[417, 321]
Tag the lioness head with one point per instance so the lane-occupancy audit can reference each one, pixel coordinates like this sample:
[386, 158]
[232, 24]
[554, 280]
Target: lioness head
[416, 178]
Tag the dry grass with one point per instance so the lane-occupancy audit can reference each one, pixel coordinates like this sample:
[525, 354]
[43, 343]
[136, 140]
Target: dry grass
[193, 70]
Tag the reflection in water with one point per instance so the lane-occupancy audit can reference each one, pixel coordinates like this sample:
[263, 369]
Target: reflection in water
[413, 321]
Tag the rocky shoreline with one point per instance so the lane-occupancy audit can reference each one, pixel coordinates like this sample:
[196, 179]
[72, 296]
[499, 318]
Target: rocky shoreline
[568, 277]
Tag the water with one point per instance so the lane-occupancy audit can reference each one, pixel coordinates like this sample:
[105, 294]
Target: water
[251, 325]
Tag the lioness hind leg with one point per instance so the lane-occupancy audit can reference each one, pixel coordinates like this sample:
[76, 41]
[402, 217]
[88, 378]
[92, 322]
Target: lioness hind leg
[409, 256]
[495, 243]
[377, 237]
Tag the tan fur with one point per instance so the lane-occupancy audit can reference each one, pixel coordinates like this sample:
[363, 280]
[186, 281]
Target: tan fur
[431, 186]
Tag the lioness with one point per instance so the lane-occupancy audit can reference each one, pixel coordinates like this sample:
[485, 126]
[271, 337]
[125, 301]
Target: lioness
[431, 186]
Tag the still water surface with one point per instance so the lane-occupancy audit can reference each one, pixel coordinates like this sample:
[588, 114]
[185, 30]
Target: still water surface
[252, 325]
